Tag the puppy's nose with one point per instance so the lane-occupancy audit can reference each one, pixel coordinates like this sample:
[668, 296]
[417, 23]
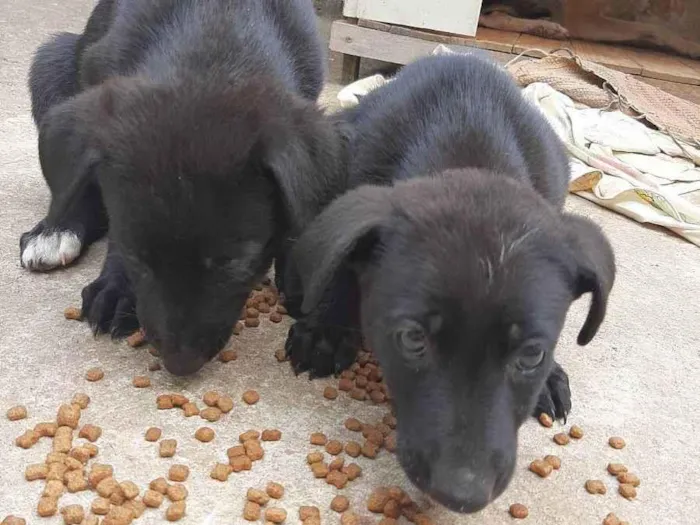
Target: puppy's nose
[182, 364]
[461, 489]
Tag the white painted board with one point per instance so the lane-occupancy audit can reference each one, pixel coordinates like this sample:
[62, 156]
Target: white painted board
[451, 16]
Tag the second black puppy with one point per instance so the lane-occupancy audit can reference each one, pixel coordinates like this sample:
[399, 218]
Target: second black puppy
[466, 268]
[190, 128]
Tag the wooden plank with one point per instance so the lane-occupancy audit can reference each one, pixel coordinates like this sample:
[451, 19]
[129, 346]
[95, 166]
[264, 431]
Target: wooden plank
[615, 57]
[359, 41]
[496, 40]
[665, 67]
[528, 44]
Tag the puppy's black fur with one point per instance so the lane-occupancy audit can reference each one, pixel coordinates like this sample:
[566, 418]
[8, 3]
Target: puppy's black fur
[466, 268]
[191, 128]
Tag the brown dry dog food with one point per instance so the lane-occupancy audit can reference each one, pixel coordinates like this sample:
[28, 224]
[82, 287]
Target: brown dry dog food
[73, 514]
[141, 382]
[100, 506]
[36, 471]
[204, 434]
[248, 435]
[176, 511]
[168, 448]
[337, 478]
[178, 473]
[190, 409]
[576, 432]
[317, 438]
[90, 432]
[94, 374]
[627, 491]
[164, 402]
[225, 404]
[629, 479]
[153, 499]
[353, 424]
[176, 492]
[53, 489]
[307, 512]
[541, 468]
[314, 457]
[251, 397]
[68, 416]
[252, 313]
[221, 472]
[370, 450]
[253, 450]
[616, 442]
[17, 413]
[378, 500]
[154, 367]
[616, 468]
[388, 521]
[518, 511]
[107, 487]
[349, 518]
[545, 420]
[275, 515]
[136, 507]
[99, 472]
[153, 434]
[241, 463]
[234, 452]
[276, 317]
[46, 429]
[271, 435]
[345, 384]
[554, 461]
[330, 393]
[611, 519]
[252, 322]
[63, 440]
[320, 470]
[73, 314]
[392, 509]
[257, 496]
[334, 447]
[353, 449]
[336, 464]
[75, 481]
[56, 471]
[353, 471]
[251, 511]
[118, 516]
[179, 400]
[226, 356]
[129, 489]
[211, 414]
[281, 355]
[211, 398]
[390, 442]
[561, 439]
[136, 339]
[358, 394]
[28, 439]
[274, 490]
[47, 506]
[340, 504]
[81, 399]
[595, 486]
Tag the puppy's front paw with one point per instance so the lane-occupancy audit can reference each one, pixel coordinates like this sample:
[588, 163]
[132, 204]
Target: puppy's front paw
[109, 305]
[555, 398]
[322, 350]
[44, 248]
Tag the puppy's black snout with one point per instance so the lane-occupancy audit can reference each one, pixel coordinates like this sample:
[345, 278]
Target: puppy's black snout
[183, 363]
[462, 489]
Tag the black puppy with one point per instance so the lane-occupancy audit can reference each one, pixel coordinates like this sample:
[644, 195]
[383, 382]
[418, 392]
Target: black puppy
[466, 268]
[190, 129]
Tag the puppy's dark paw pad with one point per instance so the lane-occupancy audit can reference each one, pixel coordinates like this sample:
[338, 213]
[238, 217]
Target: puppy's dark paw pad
[321, 350]
[555, 398]
[44, 248]
[110, 307]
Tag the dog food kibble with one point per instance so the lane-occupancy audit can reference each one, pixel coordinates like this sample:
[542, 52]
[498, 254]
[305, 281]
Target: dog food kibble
[176, 492]
[252, 313]
[73, 514]
[75, 481]
[141, 382]
[81, 399]
[136, 339]
[616, 468]
[17, 413]
[349, 518]
[178, 473]
[253, 450]
[251, 511]
[337, 478]
[100, 506]
[251, 397]
[353, 449]
[595, 486]
[369, 450]
[334, 447]
[28, 439]
[314, 457]
[340, 504]
[616, 442]
[153, 499]
[390, 442]
[330, 393]
[545, 420]
[136, 507]
[56, 472]
[554, 461]
[275, 515]
[392, 509]
[47, 506]
[53, 489]
[73, 314]
[257, 496]
[90, 432]
[164, 402]
[576, 432]
[118, 516]
[221, 472]
[176, 511]
[627, 491]
[336, 464]
[68, 416]
[248, 435]
[378, 500]
[271, 435]
[178, 400]
[204, 434]
[345, 384]
[352, 471]
[225, 404]
[611, 519]
[628, 478]
[388, 521]
[154, 367]
[320, 470]
[274, 490]
[211, 398]
[241, 463]
[211, 414]
[541, 468]
[353, 424]
[358, 394]
[107, 487]
[153, 434]
[190, 409]
[317, 438]
[518, 511]
[307, 512]
[226, 356]
[281, 355]
[561, 439]
[63, 440]
[94, 374]
[99, 472]
[276, 317]
[234, 452]
[37, 471]
[167, 448]
[46, 429]
[251, 322]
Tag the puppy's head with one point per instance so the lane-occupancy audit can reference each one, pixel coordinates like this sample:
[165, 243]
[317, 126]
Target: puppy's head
[200, 184]
[466, 279]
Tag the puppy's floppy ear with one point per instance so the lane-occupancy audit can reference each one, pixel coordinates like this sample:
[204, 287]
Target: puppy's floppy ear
[334, 235]
[595, 270]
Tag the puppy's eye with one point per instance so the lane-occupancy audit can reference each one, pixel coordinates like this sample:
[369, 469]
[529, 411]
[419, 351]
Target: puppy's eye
[411, 339]
[530, 360]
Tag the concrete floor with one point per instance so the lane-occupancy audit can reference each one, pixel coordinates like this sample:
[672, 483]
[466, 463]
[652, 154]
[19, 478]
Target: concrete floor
[639, 379]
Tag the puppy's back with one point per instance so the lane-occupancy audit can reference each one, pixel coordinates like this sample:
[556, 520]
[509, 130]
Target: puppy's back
[455, 111]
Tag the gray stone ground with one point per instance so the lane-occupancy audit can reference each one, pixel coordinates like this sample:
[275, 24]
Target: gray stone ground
[639, 379]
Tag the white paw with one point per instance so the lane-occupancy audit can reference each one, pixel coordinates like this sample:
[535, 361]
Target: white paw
[50, 250]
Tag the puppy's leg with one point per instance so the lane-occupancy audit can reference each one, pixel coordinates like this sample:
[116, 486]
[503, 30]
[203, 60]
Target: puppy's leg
[109, 303]
[555, 398]
[537, 27]
[327, 340]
